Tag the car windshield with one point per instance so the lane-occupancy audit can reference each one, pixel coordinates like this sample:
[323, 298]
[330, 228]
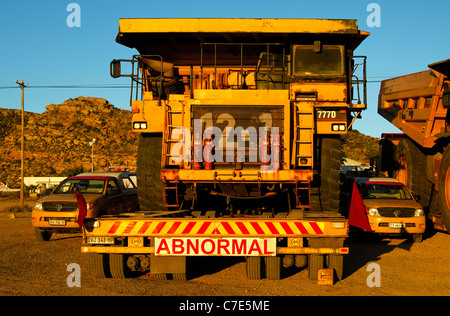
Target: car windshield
[82, 185]
[385, 191]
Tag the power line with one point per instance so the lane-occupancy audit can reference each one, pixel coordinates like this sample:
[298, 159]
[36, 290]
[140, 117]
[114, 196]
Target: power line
[96, 87]
[71, 87]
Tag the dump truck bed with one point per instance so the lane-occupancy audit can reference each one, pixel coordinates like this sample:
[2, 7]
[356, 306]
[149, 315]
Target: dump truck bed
[413, 103]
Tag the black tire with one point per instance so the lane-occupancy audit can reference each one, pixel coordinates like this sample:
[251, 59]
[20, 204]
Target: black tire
[410, 168]
[118, 265]
[273, 268]
[417, 238]
[315, 262]
[386, 158]
[100, 265]
[179, 276]
[444, 188]
[160, 276]
[150, 190]
[42, 234]
[325, 188]
[253, 266]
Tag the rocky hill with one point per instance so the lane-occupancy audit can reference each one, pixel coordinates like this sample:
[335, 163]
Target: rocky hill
[359, 147]
[57, 141]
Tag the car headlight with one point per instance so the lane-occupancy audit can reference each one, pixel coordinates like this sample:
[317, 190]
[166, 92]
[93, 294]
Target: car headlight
[418, 212]
[38, 206]
[373, 212]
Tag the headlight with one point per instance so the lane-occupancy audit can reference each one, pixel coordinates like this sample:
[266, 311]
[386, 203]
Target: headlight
[418, 212]
[38, 206]
[89, 205]
[373, 212]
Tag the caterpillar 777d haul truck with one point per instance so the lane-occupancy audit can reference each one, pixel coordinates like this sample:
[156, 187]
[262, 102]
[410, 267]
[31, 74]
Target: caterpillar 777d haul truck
[418, 105]
[239, 124]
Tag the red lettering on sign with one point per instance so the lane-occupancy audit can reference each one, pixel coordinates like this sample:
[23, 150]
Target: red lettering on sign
[255, 247]
[236, 249]
[163, 246]
[223, 244]
[191, 247]
[213, 246]
[177, 246]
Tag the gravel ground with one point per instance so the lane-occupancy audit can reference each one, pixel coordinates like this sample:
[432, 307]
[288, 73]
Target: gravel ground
[29, 267]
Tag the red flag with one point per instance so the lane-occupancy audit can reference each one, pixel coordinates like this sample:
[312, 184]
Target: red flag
[357, 215]
[82, 208]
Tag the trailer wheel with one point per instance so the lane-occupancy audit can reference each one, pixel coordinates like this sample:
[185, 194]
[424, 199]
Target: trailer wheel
[159, 276]
[150, 191]
[100, 265]
[336, 262]
[118, 265]
[411, 169]
[179, 276]
[42, 234]
[315, 262]
[253, 265]
[273, 268]
[444, 188]
[325, 190]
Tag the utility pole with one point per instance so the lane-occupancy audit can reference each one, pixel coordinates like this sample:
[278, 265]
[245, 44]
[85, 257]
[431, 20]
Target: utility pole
[22, 86]
[92, 154]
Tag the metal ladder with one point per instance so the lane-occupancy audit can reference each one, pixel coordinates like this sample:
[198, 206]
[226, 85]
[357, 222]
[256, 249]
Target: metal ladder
[304, 134]
[167, 145]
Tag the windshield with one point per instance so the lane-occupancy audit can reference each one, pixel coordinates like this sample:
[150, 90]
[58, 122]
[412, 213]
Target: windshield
[385, 191]
[82, 185]
[329, 61]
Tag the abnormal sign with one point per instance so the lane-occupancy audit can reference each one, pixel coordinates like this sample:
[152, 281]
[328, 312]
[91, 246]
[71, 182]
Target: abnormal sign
[215, 246]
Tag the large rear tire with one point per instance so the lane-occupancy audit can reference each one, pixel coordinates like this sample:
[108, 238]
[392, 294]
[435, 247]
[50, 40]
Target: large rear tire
[273, 268]
[100, 265]
[325, 188]
[410, 169]
[444, 188]
[150, 190]
[118, 265]
[253, 266]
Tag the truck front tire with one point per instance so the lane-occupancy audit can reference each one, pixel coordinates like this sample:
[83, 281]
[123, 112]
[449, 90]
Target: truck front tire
[150, 190]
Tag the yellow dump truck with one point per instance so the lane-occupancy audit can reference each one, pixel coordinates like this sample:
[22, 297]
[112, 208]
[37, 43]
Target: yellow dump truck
[418, 105]
[239, 124]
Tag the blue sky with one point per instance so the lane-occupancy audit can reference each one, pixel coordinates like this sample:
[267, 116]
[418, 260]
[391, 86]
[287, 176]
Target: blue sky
[38, 47]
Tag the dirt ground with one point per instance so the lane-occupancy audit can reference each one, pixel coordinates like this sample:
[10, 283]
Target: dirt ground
[29, 267]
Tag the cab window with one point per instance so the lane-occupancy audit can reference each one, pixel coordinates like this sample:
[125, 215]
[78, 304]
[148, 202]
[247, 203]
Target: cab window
[112, 188]
[329, 61]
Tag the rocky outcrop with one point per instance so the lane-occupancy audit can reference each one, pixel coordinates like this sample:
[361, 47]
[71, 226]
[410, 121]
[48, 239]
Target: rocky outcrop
[57, 141]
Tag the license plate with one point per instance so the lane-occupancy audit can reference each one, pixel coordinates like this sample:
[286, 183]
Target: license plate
[101, 240]
[57, 222]
[215, 246]
[395, 225]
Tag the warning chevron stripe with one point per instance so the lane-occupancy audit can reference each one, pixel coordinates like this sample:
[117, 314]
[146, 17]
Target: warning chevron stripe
[215, 227]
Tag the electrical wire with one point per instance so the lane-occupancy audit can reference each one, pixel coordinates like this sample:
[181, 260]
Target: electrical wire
[70, 87]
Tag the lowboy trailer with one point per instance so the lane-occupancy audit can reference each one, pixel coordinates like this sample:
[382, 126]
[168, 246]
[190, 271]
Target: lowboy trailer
[239, 124]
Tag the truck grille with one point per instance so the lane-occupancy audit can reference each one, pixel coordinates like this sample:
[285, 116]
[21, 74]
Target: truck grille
[240, 119]
[60, 206]
[396, 211]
